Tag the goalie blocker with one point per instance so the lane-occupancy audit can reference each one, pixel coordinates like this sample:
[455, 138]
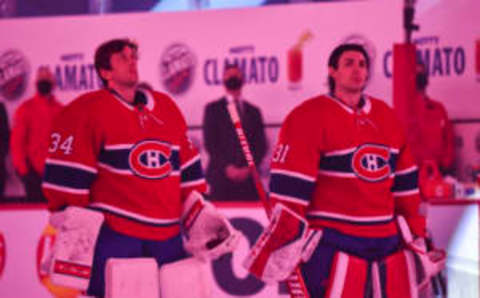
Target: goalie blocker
[72, 255]
[281, 246]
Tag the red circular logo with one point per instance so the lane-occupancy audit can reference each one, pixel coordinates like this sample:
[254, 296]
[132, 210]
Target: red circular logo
[151, 159]
[44, 250]
[370, 162]
[3, 253]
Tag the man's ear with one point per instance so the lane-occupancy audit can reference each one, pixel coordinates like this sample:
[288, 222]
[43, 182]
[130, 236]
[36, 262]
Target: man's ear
[105, 74]
[331, 71]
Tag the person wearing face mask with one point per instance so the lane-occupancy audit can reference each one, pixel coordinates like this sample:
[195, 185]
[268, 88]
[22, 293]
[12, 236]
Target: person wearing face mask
[433, 141]
[227, 172]
[30, 135]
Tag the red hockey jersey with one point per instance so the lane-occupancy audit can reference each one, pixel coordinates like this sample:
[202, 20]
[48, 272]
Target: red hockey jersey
[346, 169]
[135, 163]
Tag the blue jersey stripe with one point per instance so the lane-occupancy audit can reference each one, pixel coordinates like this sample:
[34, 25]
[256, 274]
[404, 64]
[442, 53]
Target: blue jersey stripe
[291, 186]
[137, 220]
[343, 163]
[352, 222]
[337, 163]
[192, 172]
[68, 176]
[118, 158]
[405, 182]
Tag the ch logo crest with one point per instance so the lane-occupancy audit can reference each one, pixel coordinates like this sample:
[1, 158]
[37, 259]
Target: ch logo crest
[370, 162]
[151, 159]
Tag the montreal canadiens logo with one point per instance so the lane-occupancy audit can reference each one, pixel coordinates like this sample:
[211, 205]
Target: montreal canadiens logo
[151, 159]
[370, 162]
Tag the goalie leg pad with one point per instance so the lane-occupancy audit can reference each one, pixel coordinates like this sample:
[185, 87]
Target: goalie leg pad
[402, 274]
[134, 277]
[281, 246]
[207, 233]
[185, 278]
[73, 251]
[348, 276]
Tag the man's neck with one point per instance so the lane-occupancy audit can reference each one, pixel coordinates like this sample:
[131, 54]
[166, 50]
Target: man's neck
[422, 94]
[45, 96]
[235, 94]
[126, 92]
[351, 99]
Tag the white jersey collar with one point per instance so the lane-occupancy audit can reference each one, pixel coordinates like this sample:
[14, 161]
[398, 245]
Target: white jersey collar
[366, 104]
[150, 102]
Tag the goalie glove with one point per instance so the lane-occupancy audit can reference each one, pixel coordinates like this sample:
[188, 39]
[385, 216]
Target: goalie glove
[207, 233]
[433, 261]
[281, 246]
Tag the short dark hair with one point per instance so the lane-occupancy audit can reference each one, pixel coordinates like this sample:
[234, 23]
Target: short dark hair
[335, 57]
[229, 66]
[105, 51]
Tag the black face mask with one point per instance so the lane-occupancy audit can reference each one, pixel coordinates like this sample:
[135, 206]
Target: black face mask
[421, 81]
[44, 87]
[233, 83]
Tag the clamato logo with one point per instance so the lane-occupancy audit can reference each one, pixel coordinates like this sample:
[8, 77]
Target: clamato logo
[370, 162]
[151, 159]
[43, 261]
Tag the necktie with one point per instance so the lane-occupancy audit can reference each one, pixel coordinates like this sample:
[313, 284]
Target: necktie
[238, 105]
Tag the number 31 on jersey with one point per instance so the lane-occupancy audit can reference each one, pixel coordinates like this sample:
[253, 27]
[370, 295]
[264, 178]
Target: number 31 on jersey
[280, 153]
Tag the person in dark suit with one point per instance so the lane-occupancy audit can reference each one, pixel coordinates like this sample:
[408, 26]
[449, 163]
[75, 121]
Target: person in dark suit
[227, 172]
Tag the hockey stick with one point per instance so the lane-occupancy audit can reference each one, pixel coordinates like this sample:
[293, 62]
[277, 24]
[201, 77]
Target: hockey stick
[296, 285]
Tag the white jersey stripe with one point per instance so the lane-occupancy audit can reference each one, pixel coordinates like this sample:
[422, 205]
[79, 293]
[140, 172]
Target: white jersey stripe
[337, 174]
[406, 193]
[340, 152]
[193, 160]
[118, 146]
[115, 170]
[70, 190]
[293, 174]
[192, 183]
[407, 170]
[365, 219]
[134, 215]
[289, 199]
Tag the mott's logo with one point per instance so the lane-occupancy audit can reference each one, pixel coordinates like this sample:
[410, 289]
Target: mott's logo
[3, 253]
[177, 68]
[370, 162]
[151, 159]
[14, 70]
[44, 249]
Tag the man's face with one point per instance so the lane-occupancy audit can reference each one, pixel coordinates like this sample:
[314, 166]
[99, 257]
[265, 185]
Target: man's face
[44, 74]
[352, 72]
[421, 77]
[233, 80]
[123, 68]
[232, 72]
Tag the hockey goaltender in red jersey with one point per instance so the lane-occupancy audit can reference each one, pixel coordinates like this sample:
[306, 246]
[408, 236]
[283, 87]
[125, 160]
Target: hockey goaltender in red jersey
[346, 202]
[122, 152]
